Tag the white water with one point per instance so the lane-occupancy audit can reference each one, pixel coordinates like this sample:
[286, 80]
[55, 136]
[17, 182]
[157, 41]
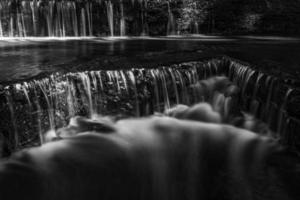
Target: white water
[171, 27]
[110, 17]
[123, 92]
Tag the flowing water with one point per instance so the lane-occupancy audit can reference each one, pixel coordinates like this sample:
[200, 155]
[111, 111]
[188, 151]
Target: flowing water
[61, 18]
[46, 104]
[37, 100]
[110, 17]
[31, 107]
[53, 19]
[122, 20]
[162, 158]
[171, 27]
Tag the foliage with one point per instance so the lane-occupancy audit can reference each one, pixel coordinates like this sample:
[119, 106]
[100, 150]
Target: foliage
[192, 14]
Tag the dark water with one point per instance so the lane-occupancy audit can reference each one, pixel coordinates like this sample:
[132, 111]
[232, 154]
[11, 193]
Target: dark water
[26, 58]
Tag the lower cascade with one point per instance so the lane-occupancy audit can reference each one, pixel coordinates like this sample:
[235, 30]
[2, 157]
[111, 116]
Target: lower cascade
[29, 109]
[162, 131]
[146, 158]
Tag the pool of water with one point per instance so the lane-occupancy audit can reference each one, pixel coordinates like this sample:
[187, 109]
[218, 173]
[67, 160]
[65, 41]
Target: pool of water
[22, 59]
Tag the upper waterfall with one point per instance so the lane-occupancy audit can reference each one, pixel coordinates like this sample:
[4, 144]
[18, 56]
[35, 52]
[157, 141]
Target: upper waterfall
[74, 18]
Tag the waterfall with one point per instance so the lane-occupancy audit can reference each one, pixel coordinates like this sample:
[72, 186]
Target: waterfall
[282, 118]
[15, 134]
[262, 98]
[86, 82]
[110, 16]
[83, 23]
[132, 80]
[52, 18]
[1, 29]
[89, 9]
[254, 103]
[74, 18]
[171, 27]
[122, 21]
[196, 28]
[49, 18]
[48, 103]
[33, 6]
[143, 5]
[147, 158]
